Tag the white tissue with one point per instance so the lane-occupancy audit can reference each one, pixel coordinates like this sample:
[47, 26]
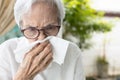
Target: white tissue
[59, 47]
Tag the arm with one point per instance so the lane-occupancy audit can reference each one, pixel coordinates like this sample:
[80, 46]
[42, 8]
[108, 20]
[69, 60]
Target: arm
[5, 73]
[74, 68]
[79, 72]
[35, 61]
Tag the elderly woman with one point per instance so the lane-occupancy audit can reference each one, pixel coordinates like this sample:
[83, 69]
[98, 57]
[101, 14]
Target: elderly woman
[39, 19]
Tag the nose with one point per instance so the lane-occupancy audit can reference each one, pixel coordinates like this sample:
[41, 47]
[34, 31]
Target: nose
[42, 35]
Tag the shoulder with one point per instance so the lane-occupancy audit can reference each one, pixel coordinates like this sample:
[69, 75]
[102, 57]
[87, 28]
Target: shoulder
[72, 56]
[73, 53]
[9, 45]
[73, 49]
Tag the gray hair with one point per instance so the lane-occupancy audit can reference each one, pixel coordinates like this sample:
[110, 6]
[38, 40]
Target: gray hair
[22, 6]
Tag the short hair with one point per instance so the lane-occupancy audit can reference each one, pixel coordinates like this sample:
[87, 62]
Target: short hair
[22, 6]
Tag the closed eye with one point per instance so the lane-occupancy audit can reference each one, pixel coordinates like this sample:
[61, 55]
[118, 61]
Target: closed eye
[49, 27]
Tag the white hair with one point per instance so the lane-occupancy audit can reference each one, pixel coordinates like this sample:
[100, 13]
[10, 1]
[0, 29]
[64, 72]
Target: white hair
[22, 6]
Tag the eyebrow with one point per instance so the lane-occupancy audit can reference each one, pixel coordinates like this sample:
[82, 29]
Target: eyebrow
[51, 23]
[27, 26]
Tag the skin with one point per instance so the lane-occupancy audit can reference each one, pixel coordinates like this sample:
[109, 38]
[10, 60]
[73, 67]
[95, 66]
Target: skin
[37, 59]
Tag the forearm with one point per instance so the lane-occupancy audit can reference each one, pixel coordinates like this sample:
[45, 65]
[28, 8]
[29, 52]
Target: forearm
[21, 76]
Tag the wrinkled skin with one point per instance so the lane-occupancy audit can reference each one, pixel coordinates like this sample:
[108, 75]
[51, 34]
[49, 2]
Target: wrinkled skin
[37, 59]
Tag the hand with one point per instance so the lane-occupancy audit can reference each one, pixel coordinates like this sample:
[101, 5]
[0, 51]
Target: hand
[35, 61]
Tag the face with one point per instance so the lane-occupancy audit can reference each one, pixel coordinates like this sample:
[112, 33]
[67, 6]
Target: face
[43, 17]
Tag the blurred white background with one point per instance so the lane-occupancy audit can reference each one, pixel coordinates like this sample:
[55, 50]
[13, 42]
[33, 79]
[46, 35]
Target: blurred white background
[112, 40]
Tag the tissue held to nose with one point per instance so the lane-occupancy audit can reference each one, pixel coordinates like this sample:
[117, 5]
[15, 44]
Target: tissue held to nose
[36, 60]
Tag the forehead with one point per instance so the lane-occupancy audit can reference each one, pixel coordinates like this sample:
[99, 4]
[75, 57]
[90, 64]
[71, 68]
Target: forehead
[40, 14]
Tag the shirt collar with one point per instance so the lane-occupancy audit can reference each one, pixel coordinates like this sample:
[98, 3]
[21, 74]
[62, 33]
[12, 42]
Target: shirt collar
[59, 45]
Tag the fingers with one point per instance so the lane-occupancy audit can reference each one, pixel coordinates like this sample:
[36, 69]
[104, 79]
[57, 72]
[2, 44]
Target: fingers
[40, 58]
[34, 65]
[40, 47]
[47, 58]
[37, 49]
[45, 52]
[44, 64]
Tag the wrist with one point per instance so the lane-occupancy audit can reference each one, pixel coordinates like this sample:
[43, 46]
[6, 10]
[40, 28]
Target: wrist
[20, 77]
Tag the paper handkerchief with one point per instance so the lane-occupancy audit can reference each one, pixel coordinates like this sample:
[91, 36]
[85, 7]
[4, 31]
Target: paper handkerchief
[59, 48]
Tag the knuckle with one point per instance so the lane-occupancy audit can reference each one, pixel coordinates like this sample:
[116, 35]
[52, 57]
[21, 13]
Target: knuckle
[36, 51]
[33, 52]
[36, 60]
[45, 43]
[51, 54]
[29, 56]
[44, 62]
[41, 48]
[49, 45]
[47, 50]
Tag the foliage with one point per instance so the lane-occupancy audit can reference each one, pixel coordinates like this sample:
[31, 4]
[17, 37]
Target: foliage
[102, 60]
[81, 21]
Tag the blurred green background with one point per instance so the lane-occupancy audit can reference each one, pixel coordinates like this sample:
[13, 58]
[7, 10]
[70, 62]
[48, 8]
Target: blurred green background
[80, 22]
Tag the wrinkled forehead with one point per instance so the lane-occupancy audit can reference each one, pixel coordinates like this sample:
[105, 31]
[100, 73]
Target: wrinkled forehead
[41, 13]
[44, 9]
